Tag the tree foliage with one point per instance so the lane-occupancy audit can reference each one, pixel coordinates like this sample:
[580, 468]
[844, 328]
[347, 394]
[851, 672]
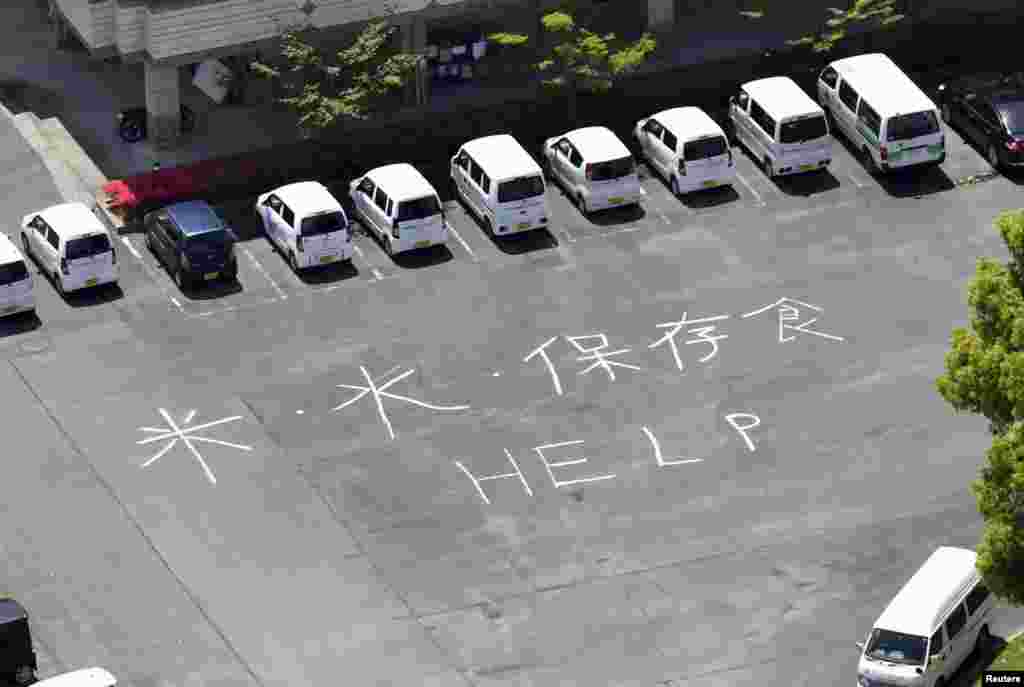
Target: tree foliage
[834, 29]
[985, 375]
[350, 86]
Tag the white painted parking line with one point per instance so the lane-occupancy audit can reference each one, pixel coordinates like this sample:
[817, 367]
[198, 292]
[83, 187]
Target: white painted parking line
[232, 308]
[750, 188]
[373, 270]
[266, 275]
[152, 275]
[460, 239]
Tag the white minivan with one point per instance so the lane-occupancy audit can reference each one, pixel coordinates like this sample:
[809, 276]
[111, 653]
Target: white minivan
[86, 677]
[15, 280]
[687, 148]
[70, 244]
[594, 167]
[398, 204]
[784, 130]
[501, 184]
[939, 617]
[887, 118]
[306, 223]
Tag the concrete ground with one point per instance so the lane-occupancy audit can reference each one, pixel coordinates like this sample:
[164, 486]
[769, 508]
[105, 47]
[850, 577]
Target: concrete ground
[281, 483]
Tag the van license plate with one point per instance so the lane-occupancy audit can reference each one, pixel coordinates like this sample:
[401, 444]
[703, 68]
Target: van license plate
[710, 183]
[324, 259]
[807, 168]
[422, 244]
[210, 275]
[523, 225]
[90, 282]
[615, 200]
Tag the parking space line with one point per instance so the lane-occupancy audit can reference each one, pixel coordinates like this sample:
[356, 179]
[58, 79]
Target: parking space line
[750, 187]
[373, 270]
[151, 274]
[231, 308]
[266, 275]
[657, 206]
[465, 245]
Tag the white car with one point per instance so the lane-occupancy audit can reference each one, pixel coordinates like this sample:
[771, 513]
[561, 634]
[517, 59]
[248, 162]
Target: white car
[15, 280]
[86, 677]
[594, 167]
[398, 204]
[307, 224]
[70, 244]
[687, 147]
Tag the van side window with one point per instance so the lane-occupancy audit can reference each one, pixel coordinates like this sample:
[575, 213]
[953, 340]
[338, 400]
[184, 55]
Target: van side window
[485, 183]
[381, 199]
[670, 140]
[287, 215]
[52, 238]
[742, 99]
[391, 206]
[762, 118]
[936, 644]
[39, 225]
[829, 77]
[475, 173]
[870, 118]
[976, 598]
[956, 622]
[575, 158]
[653, 127]
[848, 96]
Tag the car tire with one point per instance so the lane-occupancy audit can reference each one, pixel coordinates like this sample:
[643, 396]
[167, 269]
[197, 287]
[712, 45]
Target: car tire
[24, 675]
[993, 157]
[675, 186]
[766, 165]
[27, 246]
[947, 114]
[581, 203]
[58, 283]
[293, 262]
[984, 640]
[488, 226]
[869, 161]
[179, 278]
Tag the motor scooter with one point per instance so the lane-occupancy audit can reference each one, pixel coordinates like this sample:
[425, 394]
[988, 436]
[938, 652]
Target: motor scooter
[132, 123]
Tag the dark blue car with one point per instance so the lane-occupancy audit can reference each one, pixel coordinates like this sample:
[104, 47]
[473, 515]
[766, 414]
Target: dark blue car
[193, 242]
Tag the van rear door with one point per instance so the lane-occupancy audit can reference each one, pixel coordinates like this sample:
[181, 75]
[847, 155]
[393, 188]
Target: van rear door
[90, 259]
[522, 204]
[15, 286]
[420, 223]
[707, 161]
[804, 142]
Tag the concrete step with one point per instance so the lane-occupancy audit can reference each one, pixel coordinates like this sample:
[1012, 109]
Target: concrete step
[64, 144]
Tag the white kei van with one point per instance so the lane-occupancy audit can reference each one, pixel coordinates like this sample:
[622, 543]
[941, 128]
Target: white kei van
[595, 168]
[784, 130]
[498, 180]
[70, 244]
[687, 147]
[398, 204]
[306, 223]
[937, 620]
[15, 280]
[886, 117]
[86, 677]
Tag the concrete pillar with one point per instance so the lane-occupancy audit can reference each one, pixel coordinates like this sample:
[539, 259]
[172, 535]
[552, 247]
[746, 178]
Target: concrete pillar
[414, 40]
[163, 102]
[661, 14]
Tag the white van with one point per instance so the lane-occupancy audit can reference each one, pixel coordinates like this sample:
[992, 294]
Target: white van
[783, 128]
[886, 117]
[86, 677]
[594, 167]
[15, 280]
[70, 244]
[499, 181]
[687, 147]
[937, 620]
[306, 223]
[401, 207]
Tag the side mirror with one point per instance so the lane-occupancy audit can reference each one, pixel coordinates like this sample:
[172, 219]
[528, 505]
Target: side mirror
[732, 100]
[942, 87]
[860, 646]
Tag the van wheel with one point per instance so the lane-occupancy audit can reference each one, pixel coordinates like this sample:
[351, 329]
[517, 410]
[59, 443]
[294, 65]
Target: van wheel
[993, 156]
[581, 203]
[58, 283]
[24, 675]
[869, 161]
[983, 641]
[25, 245]
[947, 115]
[179, 278]
[766, 165]
[293, 262]
[488, 227]
[675, 187]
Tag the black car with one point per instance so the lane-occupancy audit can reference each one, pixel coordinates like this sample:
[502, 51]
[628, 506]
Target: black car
[17, 657]
[193, 242]
[989, 110]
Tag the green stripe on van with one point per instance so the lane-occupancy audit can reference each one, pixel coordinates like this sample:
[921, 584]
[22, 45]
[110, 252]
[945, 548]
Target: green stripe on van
[868, 133]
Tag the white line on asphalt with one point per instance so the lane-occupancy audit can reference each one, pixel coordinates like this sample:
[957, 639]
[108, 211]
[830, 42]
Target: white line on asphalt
[750, 187]
[376, 272]
[259, 268]
[152, 275]
[232, 308]
[569, 236]
[464, 244]
[859, 184]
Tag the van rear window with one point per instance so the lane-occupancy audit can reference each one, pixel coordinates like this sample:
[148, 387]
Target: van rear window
[520, 189]
[324, 223]
[703, 148]
[613, 169]
[913, 125]
[420, 208]
[87, 246]
[800, 130]
[13, 272]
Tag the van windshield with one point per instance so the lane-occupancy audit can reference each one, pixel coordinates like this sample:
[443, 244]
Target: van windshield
[913, 125]
[420, 208]
[13, 272]
[520, 189]
[896, 647]
[800, 130]
[324, 223]
[613, 169]
[87, 246]
[703, 148]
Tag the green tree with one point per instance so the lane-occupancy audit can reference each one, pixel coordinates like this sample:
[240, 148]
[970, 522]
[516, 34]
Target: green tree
[985, 375]
[352, 85]
[875, 13]
[581, 61]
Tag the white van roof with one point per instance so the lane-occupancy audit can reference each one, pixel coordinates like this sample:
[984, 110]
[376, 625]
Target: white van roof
[9, 251]
[402, 181]
[502, 153]
[70, 219]
[86, 677]
[689, 123]
[924, 600]
[305, 197]
[781, 97]
[883, 84]
[598, 144]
